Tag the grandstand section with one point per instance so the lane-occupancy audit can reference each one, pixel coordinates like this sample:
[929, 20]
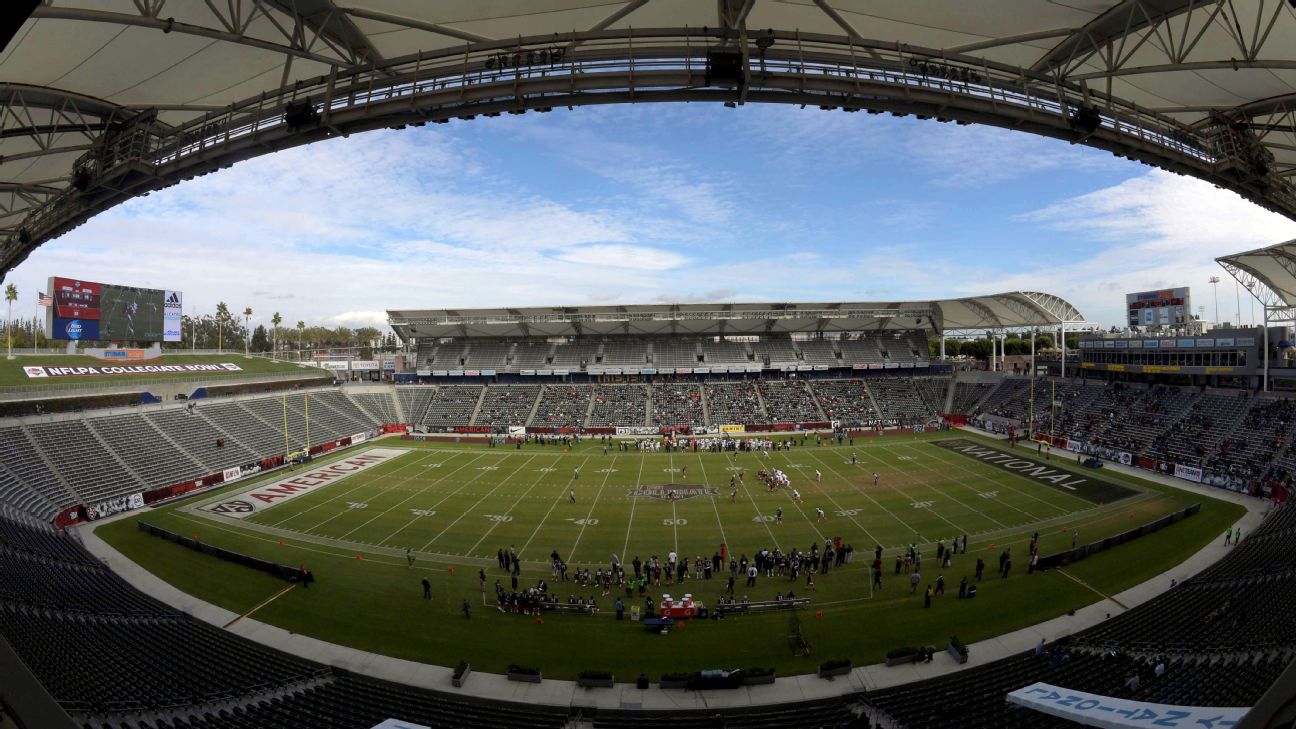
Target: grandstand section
[448, 405]
[619, 405]
[734, 402]
[677, 404]
[562, 406]
[846, 401]
[789, 401]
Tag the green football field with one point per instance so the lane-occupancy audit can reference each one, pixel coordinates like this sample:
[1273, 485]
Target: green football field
[470, 502]
[454, 505]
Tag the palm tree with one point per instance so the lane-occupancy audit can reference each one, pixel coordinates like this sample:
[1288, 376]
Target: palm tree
[11, 295]
[222, 314]
[276, 320]
[301, 334]
[247, 328]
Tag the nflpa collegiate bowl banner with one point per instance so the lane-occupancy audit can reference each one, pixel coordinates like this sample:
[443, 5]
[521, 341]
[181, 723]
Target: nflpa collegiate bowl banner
[42, 371]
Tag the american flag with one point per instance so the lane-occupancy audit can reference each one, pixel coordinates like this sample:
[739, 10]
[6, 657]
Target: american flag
[43, 299]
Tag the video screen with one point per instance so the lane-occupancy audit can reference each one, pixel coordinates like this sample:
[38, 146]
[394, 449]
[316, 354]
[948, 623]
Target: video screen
[131, 314]
[85, 310]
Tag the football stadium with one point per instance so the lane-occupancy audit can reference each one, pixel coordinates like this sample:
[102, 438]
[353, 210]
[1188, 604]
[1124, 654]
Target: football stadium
[893, 507]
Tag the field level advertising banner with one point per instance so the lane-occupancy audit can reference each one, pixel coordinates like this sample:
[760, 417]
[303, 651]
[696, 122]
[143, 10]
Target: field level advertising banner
[85, 310]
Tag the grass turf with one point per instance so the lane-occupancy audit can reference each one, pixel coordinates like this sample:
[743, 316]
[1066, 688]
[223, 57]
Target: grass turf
[456, 504]
[12, 374]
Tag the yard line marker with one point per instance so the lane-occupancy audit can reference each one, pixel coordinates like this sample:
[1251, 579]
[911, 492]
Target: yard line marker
[866, 495]
[838, 506]
[758, 513]
[388, 510]
[478, 503]
[719, 523]
[509, 511]
[988, 479]
[960, 529]
[633, 502]
[954, 498]
[571, 553]
[421, 457]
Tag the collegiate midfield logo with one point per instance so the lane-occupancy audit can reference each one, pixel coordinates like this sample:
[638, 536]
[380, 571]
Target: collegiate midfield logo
[671, 491]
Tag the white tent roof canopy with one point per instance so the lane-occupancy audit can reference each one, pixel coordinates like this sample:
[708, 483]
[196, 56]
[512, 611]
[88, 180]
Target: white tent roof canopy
[1269, 273]
[1015, 310]
[105, 100]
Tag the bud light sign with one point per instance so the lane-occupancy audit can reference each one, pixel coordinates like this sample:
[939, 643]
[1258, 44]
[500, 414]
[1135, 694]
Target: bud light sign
[76, 329]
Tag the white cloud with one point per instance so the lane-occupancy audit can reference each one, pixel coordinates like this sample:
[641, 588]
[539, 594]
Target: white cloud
[358, 319]
[1156, 230]
[622, 256]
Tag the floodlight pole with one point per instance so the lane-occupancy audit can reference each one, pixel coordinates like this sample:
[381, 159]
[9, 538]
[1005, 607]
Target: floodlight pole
[1063, 349]
[1264, 382]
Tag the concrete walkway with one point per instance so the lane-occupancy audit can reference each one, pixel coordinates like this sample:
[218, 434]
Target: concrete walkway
[625, 695]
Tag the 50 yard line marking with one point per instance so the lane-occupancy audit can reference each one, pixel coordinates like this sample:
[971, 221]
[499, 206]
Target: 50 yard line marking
[674, 520]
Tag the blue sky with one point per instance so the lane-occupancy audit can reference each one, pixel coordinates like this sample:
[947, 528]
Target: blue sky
[657, 203]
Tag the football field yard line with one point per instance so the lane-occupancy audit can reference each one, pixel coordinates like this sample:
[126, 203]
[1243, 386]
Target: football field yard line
[757, 508]
[950, 494]
[633, 501]
[674, 519]
[554, 505]
[388, 510]
[924, 484]
[363, 483]
[462, 486]
[422, 457]
[1085, 503]
[868, 496]
[518, 500]
[813, 525]
[819, 487]
[714, 506]
[485, 496]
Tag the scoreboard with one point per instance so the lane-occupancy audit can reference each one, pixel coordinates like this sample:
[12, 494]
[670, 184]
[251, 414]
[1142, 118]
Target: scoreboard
[1161, 308]
[90, 311]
